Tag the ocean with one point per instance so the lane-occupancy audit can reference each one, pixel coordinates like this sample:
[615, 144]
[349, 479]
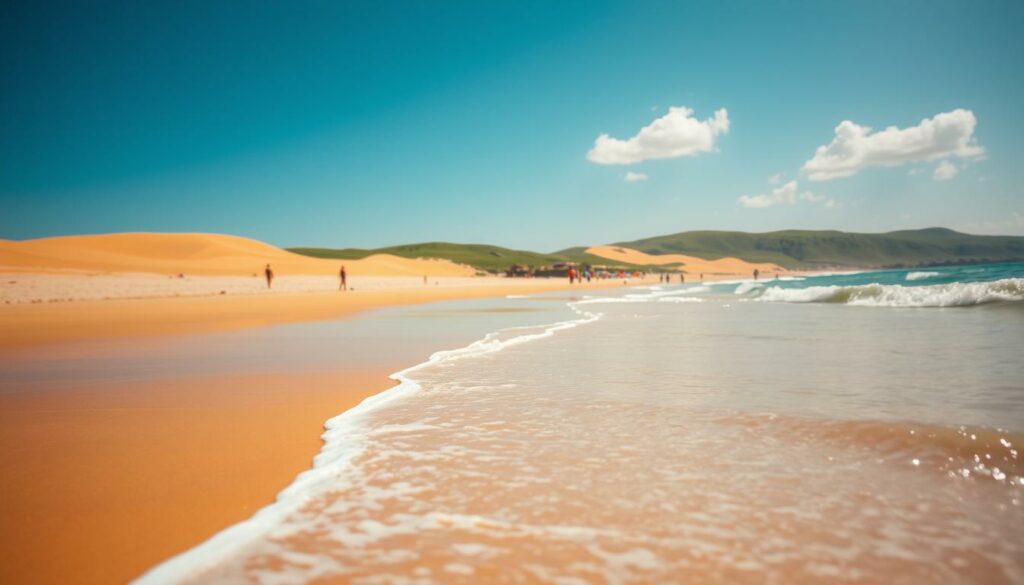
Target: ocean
[843, 428]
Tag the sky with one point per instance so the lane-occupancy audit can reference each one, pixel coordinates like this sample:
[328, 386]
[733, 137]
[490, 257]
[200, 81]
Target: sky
[534, 125]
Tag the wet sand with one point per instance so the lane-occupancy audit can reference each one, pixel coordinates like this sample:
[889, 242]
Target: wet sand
[100, 481]
[23, 325]
[103, 477]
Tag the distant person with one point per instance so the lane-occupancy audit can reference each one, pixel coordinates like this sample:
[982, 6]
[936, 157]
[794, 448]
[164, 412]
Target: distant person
[343, 277]
[702, 276]
[756, 273]
[269, 273]
[682, 278]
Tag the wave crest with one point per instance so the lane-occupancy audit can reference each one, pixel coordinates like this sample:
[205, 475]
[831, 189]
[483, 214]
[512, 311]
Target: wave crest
[954, 294]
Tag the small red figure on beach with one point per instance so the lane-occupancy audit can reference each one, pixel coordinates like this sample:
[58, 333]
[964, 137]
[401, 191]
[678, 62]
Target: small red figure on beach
[343, 276]
[269, 273]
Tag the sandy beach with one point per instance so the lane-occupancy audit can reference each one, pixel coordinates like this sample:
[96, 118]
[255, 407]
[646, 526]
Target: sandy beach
[113, 476]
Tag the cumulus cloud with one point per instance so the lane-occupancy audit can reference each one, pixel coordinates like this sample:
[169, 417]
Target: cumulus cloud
[673, 135]
[856, 147]
[774, 179]
[785, 195]
[632, 177]
[945, 171]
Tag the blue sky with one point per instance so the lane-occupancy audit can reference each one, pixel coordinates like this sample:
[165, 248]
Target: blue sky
[369, 124]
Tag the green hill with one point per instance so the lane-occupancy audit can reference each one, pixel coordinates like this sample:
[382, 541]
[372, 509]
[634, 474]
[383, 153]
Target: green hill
[809, 249]
[480, 256]
[789, 248]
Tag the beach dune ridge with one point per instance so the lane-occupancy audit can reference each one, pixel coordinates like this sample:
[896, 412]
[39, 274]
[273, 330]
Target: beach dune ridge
[196, 254]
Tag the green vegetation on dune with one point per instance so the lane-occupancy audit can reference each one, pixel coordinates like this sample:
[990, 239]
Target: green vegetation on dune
[809, 249]
[480, 256]
[789, 248]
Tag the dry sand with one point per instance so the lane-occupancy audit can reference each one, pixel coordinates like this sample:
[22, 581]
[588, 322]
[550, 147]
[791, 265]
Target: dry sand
[712, 269]
[196, 254]
[34, 287]
[102, 481]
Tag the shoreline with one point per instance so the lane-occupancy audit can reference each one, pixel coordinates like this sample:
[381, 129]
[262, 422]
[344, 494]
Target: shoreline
[115, 477]
[148, 469]
[171, 569]
[28, 325]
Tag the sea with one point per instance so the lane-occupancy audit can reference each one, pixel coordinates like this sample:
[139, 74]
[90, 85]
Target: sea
[838, 428]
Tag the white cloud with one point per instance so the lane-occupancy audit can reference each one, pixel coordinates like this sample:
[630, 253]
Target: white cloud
[673, 135]
[632, 177]
[1013, 225]
[774, 179]
[856, 147]
[945, 171]
[785, 195]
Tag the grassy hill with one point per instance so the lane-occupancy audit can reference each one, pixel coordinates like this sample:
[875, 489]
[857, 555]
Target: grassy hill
[789, 248]
[809, 249]
[481, 256]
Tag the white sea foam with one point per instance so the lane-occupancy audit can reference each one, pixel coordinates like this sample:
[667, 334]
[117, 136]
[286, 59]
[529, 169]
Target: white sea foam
[655, 294]
[954, 294]
[921, 275]
[746, 287]
[345, 438]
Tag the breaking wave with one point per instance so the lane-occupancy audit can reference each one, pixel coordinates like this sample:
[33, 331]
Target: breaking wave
[921, 275]
[746, 287]
[954, 294]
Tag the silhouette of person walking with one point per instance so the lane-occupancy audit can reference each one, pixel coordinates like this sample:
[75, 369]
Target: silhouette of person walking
[269, 272]
[343, 276]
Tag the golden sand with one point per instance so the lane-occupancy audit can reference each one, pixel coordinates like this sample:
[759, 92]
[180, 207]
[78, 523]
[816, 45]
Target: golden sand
[203, 254]
[721, 267]
[102, 481]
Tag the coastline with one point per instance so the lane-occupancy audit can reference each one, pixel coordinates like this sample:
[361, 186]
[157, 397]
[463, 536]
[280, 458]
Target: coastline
[115, 476]
[33, 324]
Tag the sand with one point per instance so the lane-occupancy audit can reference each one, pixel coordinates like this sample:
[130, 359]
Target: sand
[692, 265]
[24, 325]
[100, 482]
[196, 254]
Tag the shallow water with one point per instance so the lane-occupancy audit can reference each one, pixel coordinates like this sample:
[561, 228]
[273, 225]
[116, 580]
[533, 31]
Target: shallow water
[647, 438]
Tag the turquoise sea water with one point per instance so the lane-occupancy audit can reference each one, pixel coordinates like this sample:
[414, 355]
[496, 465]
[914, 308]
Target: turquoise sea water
[840, 428]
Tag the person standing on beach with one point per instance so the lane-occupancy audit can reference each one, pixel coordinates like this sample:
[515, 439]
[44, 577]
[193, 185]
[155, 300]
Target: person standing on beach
[756, 273]
[343, 277]
[269, 273]
[682, 278]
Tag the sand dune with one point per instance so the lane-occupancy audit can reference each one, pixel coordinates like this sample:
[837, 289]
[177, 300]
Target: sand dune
[689, 264]
[192, 254]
